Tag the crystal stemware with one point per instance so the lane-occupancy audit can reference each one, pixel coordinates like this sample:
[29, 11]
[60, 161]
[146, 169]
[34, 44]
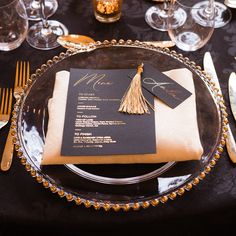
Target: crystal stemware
[222, 13]
[43, 35]
[33, 8]
[13, 24]
[156, 16]
[192, 34]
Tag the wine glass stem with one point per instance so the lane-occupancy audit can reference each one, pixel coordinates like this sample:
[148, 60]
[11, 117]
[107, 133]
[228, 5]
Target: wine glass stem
[164, 11]
[209, 8]
[46, 28]
[35, 4]
[165, 7]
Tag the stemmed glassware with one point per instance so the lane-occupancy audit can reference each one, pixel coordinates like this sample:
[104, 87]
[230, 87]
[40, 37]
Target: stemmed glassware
[222, 13]
[197, 26]
[13, 24]
[33, 8]
[43, 35]
[156, 16]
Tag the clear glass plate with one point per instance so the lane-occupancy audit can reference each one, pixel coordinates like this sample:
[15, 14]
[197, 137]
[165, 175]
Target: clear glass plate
[116, 186]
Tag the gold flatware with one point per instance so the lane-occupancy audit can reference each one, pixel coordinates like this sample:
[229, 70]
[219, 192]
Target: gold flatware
[21, 77]
[75, 41]
[161, 44]
[71, 39]
[5, 105]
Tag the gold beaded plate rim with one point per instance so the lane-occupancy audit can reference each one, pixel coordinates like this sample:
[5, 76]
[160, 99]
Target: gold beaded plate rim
[107, 205]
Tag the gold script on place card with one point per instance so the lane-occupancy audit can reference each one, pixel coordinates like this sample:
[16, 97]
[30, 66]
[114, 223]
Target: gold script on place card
[173, 93]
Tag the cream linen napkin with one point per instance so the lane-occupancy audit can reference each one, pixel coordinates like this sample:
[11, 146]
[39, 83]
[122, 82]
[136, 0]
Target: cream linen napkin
[176, 134]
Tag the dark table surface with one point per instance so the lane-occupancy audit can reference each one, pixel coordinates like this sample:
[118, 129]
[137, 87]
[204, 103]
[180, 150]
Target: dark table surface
[26, 207]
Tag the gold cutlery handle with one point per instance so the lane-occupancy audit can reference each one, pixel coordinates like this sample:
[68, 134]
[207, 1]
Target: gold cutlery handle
[230, 145]
[161, 44]
[7, 153]
[75, 41]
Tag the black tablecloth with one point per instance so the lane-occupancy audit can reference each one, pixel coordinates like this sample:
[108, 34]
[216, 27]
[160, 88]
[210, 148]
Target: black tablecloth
[27, 207]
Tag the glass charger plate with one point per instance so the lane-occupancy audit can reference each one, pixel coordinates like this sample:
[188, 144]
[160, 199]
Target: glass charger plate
[117, 186]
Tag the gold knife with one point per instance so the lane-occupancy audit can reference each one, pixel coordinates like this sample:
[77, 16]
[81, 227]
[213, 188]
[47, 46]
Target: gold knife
[7, 153]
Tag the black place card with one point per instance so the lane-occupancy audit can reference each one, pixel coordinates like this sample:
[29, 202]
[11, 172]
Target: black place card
[93, 125]
[163, 87]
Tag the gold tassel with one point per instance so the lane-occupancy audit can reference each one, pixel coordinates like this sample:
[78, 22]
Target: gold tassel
[133, 101]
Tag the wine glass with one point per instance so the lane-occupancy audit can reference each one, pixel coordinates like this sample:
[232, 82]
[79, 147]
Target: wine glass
[33, 8]
[156, 16]
[191, 34]
[222, 13]
[43, 35]
[13, 24]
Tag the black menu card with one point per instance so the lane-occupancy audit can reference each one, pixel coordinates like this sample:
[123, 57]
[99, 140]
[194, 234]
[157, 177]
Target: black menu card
[93, 125]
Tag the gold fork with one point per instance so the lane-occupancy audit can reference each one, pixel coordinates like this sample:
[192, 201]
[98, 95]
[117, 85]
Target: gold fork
[21, 77]
[5, 105]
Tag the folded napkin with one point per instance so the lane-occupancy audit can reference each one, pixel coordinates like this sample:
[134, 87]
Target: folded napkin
[177, 133]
